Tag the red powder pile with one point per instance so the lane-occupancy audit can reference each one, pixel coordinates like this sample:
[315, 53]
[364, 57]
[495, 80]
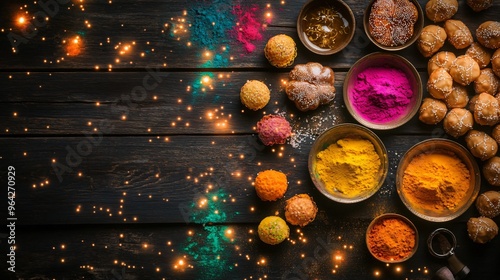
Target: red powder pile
[247, 29]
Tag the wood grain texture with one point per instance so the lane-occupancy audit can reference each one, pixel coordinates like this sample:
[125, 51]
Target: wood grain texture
[152, 251]
[131, 180]
[143, 22]
[102, 197]
[65, 103]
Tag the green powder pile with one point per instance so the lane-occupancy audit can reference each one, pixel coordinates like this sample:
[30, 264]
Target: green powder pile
[209, 248]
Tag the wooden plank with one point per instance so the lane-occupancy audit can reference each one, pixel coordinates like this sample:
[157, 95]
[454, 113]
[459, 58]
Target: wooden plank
[123, 22]
[179, 103]
[152, 251]
[117, 180]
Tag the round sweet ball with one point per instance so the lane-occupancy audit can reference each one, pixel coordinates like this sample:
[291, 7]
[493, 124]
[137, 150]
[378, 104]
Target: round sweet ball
[464, 70]
[432, 111]
[273, 230]
[486, 109]
[300, 210]
[488, 34]
[458, 34]
[458, 98]
[482, 230]
[255, 95]
[486, 82]
[441, 10]
[271, 185]
[479, 5]
[495, 133]
[431, 39]
[273, 129]
[481, 145]
[440, 83]
[488, 204]
[280, 51]
[442, 59]
[458, 121]
[480, 54]
[495, 62]
[491, 171]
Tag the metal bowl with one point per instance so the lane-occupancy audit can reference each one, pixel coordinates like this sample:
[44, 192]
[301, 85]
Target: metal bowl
[331, 136]
[347, 17]
[448, 146]
[419, 25]
[391, 216]
[379, 59]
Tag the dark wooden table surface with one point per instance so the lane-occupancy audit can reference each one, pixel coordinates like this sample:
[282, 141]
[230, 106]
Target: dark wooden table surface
[116, 138]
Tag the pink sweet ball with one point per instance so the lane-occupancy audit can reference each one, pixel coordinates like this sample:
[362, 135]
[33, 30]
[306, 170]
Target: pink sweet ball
[273, 129]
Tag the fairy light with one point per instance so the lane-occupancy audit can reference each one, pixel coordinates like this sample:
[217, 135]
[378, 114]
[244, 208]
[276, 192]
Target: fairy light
[206, 80]
[73, 46]
[229, 233]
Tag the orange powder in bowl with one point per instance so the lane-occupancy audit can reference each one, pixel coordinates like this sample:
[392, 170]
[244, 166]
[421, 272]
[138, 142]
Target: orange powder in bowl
[437, 181]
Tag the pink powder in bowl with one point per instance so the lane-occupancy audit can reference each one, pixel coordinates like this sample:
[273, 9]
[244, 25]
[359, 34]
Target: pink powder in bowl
[381, 94]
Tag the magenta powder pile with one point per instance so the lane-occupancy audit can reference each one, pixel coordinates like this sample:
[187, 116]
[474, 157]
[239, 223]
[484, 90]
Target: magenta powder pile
[381, 94]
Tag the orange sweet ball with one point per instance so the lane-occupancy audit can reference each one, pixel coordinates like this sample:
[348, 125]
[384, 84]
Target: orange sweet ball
[271, 185]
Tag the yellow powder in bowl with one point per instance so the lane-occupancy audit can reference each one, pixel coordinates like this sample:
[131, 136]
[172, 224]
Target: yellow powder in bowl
[350, 167]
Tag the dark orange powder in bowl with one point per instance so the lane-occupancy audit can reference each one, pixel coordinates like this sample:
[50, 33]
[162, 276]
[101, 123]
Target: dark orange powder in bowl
[392, 238]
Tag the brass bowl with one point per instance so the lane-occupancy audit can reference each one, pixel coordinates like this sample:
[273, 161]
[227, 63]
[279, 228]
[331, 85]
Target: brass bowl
[379, 59]
[331, 136]
[391, 216]
[419, 25]
[347, 17]
[444, 145]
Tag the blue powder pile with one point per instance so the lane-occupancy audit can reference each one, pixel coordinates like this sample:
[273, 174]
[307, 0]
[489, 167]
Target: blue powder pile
[211, 22]
[219, 60]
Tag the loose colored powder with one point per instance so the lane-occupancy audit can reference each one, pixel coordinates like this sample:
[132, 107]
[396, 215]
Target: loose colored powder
[216, 23]
[211, 23]
[349, 166]
[247, 30]
[209, 249]
[199, 87]
[212, 211]
[381, 94]
[436, 181]
[218, 60]
[391, 239]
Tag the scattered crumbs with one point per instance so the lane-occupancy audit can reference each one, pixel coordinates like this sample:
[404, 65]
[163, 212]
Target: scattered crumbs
[306, 128]
[390, 184]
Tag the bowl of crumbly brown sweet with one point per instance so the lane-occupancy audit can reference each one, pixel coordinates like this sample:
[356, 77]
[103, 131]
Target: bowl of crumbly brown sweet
[438, 180]
[393, 25]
